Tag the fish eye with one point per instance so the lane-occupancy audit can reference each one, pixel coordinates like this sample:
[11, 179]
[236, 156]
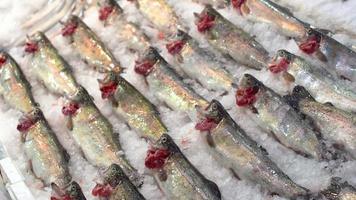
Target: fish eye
[164, 139]
[214, 107]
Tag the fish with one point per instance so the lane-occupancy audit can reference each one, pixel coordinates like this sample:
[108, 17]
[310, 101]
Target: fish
[175, 175]
[274, 114]
[160, 14]
[95, 136]
[89, 47]
[49, 67]
[229, 39]
[199, 64]
[232, 147]
[215, 3]
[48, 159]
[338, 58]
[335, 125]
[166, 84]
[339, 190]
[71, 192]
[137, 111]
[14, 87]
[267, 11]
[319, 82]
[110, 13]
[116, 186]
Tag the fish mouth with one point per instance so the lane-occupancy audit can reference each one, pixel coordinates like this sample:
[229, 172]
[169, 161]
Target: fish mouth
[280, 61]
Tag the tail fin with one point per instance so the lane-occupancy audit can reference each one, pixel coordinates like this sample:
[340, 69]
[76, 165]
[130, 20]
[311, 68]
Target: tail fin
[299, 93]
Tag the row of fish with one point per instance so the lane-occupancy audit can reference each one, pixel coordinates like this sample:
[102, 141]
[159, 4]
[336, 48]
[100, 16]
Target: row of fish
[175, 175]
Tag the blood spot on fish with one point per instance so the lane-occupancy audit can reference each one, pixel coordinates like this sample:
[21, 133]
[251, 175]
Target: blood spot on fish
[69, 29]
[238, 4]
[102, 190]
[144, 67]
[175, 46]
[2, 60]
[156, 158]
[26, 123]
[70, 109]
[65, 197]
[105, 12]
[161, 36]
[282, 65]
[311, 45]
[246, 96]
[205, 23]
[206, 125]
[31, 47]
[108, 89]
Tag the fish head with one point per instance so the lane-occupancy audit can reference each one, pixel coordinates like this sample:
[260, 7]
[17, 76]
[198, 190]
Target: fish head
[280, 62]
[166, 142]
[3, 58]
[206, 20]
[35, 41]
[71, 25]
[177, 42]
[114, 175]
[160, 151]
[211, 116]
[109, 9]
[109, 84]
[247, 91]
[146, 63]
[310, 42]
[72, 191]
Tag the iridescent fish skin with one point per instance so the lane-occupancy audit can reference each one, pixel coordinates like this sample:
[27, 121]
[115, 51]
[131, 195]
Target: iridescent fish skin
[48, 159]
[179, 179]
[339, 190]
[334, 124]
[338, 58]
[50, 68]
[138, 112]
[14, 88]
[232, 147]
[127, 32]
[230, 40]
[269, 12]
[282, 120]
[89, 47]
[200, 64]
[168, 86]
[160, 14]
[319, 82]
[121, 185]
[71, 191]
[95, 136]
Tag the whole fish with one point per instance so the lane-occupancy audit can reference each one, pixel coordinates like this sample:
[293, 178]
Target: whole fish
[132, 106]
[318, 81]
[95, 136]
[334, 124]
[160, 14]
[89, 47]
[48, 159]
[49, 67]
[198, 63]
[116, 186]
[14, 88]
[70, 192]
[175, 175]
[230, 39]
[274, 114]
[339, 190]
[166, 84]
[269, 12]
[111, 13]
[232, 147]
[338, 58]
[91, 131]
[215, 3]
